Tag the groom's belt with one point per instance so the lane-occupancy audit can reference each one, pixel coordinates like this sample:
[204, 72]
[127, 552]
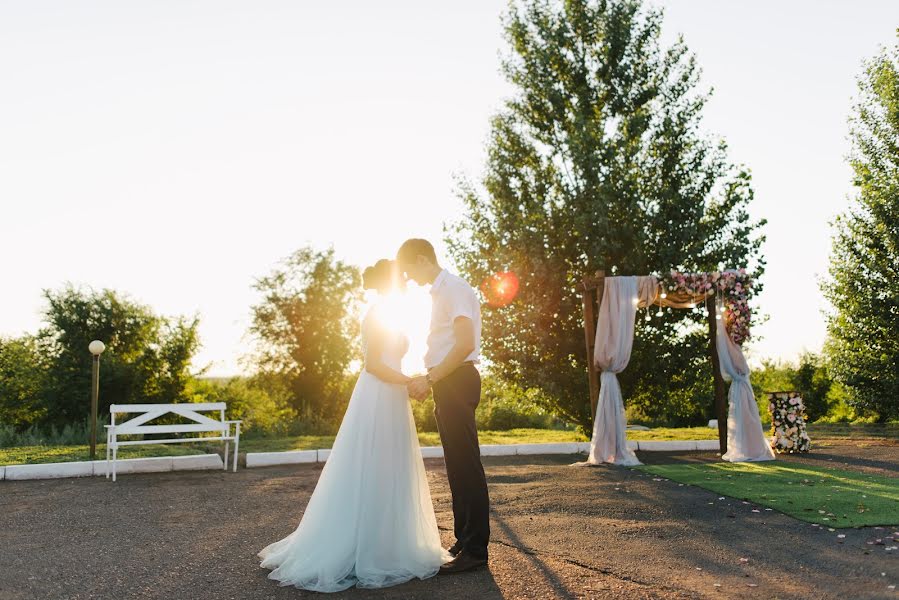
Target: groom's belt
[467, 362]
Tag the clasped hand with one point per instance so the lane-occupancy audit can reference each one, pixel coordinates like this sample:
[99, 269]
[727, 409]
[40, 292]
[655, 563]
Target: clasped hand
[418, 387]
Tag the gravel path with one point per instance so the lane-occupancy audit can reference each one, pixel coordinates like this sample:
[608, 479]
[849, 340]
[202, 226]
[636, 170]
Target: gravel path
[558, 532]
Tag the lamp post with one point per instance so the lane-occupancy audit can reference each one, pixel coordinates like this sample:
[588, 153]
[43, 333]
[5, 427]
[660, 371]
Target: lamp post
[96, 348]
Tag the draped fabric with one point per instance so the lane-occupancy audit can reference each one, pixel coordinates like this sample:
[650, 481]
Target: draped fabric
[614, 340]
[745, 437]
[621, 298]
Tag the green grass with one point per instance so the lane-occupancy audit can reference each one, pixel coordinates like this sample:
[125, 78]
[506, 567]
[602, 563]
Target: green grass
[673, 433]
[830, 497]
[21, 455]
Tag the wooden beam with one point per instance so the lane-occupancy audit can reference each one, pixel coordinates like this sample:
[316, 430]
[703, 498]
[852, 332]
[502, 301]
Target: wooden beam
[720, 390]
[591, 297]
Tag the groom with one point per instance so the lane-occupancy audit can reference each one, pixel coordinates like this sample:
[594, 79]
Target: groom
[454, 342]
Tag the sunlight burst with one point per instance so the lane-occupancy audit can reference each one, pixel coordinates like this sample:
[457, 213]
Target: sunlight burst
[407, 312]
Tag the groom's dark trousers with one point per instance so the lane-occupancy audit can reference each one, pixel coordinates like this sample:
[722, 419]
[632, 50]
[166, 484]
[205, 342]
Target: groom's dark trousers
[455, 398]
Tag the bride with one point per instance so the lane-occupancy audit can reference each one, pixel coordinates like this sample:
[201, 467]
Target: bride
[370, 521]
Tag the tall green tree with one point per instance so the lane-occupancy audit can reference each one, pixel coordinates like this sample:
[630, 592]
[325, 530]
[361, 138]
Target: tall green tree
[307, 329]
[597, 162]
[864, 264]
[23, 382]
[147, 357]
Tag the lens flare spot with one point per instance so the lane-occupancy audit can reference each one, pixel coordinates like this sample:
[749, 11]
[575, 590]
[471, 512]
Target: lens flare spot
[500, 289]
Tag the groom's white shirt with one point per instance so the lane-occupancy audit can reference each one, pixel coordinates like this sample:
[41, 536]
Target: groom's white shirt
[451, 297]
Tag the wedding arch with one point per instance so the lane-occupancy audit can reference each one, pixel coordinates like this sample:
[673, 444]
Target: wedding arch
[610, 307]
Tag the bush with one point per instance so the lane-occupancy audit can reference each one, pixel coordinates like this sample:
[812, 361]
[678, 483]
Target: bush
[72, 434]
[503, 406]
[261, 412]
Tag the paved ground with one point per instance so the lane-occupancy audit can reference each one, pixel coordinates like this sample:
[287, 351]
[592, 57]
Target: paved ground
[558, 532]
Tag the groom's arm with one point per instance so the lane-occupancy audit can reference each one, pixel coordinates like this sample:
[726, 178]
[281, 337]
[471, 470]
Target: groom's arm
[463, 330]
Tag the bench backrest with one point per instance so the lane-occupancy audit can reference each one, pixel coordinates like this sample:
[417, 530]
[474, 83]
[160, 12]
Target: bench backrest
[148, 412]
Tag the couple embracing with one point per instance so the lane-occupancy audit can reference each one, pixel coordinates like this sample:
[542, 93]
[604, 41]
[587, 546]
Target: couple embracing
[370, 521]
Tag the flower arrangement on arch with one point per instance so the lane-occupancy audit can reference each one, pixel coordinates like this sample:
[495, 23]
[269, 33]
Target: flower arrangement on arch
[733, 287]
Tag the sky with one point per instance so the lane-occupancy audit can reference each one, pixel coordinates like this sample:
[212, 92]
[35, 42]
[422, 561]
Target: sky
[176, 151]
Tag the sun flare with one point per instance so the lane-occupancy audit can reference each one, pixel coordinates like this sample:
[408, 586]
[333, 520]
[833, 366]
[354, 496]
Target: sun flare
[407, 312]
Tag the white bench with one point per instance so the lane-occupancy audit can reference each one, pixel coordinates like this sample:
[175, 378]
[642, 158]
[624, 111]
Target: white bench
[148, 412]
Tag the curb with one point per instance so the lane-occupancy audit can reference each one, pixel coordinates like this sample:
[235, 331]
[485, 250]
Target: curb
[124, 466]
[266, 459]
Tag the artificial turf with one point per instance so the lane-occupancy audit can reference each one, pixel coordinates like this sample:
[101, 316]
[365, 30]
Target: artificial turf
[831, 497]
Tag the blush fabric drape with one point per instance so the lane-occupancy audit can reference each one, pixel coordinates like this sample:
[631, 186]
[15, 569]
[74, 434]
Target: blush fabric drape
[746, 439]
[614, 340]
[622, 296]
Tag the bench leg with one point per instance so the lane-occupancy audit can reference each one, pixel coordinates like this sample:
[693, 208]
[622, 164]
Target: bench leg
[236, 442]
[226, 456]
[107, 457]
[115, 450]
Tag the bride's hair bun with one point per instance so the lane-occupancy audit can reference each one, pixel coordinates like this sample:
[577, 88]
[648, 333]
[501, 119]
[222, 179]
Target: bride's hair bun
[379, 275]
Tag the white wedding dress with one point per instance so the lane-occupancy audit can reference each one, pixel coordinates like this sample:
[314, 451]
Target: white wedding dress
[370, 521]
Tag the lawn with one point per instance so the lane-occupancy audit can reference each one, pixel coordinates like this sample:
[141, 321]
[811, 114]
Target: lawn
[21, 455]
[829, 497]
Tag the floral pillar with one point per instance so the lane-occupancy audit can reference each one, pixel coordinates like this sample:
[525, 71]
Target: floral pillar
[788, 422]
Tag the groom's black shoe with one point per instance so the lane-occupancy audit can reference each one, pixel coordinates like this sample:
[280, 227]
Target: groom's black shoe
[463, 562]
[455, 549]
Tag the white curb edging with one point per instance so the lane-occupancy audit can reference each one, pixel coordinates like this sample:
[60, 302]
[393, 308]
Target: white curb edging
[557, 448]
[499, 450]
[260, 459]
[432, 452]
[265, 459]
[153, 464]
[50, 470]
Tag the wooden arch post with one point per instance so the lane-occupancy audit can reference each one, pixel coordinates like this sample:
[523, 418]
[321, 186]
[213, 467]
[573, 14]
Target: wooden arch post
[720, 394]
[592, 289]
[591, 296]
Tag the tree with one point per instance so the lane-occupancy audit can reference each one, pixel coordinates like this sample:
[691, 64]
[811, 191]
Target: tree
[596, 162]
[863, 288]
[23, 381]
[147, 357]
[813, 380]
[307, 329]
